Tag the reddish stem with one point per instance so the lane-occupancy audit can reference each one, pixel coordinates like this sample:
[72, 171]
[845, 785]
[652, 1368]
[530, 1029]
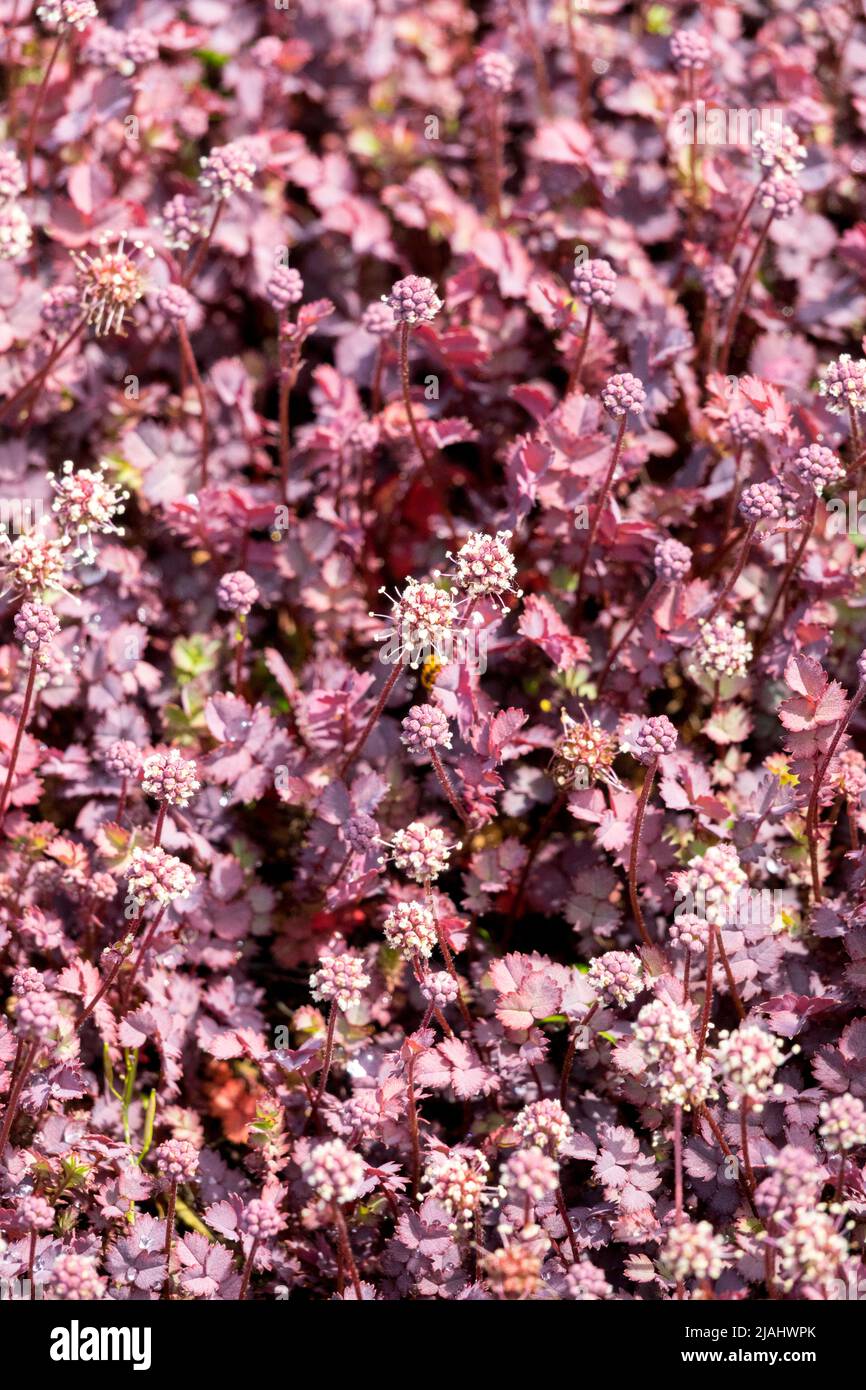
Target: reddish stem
[327, 1058]
[17, 1087]
[195, 375]
[447, 787]
[35, 381]
[248, 1269]
[708, 992]
[649, 777]
[645, 607]
[599, 508]
[741, 293]
[370, 724]
[407, 404]
[790, 570]
[413, 1129]
[37, 109]
[812, 808]
[346, 1249]
[736, 572]
[19, 735]
[202, 249]
[169, 1236]
[577, 367]
[729, 974]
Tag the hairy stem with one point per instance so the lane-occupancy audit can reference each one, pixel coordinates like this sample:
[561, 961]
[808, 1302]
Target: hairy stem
[736, 571]
[790, 570]
[30, 144]
[599, 508]
[195, 376]
[577, 366]
[649, 777]
[729, 974]
[19, 735]
[27, 1063]
[346, 1249]
[708, 992]
[447, 786]
[248, 1269]
[370, 724]
[650, 598]
[740, 294]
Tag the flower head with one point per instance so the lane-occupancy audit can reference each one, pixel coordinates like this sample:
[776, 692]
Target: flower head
[819, 467]
[544, 1124]
[378, 319]
[110, 283]
[122, 758]
[655, 737]
[689, 931]
[811, 1251]
[414, 300]
[623, 394]
[284, 288]
[181, 222]
[439, 989]
[85, 503]
[722, 648]
[262, 1220]
[594, 283]
[33, 1213]
[425, 728]
[780, 195]
[361, 832]
[36, 626]
[761, 502]
[778, 150]
[237, 592]
[672, 561]
[34, 563]
[843, 384]
[170, 778]
[712, 883]
[36, 1015]
[158, 877]
[60, 308]
[59, 16]
[341, 977]
[494, 71]
[15, 232]
[843, 1123]
[228, 169]
[175, 303]
[583, 744]
[531, 1173]
[176, 1160]
[74, 1278]
[694, 1251]
[12, 179]
[690, 50]
[485, 567]
[745, 426]
[747, 1061]
[334, 1172]
[457, 1179]
[421, 851]
[617, 974]
[411, 929]
[422, 619]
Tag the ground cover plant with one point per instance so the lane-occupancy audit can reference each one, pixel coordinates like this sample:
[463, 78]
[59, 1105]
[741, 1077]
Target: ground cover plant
[433, 666]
